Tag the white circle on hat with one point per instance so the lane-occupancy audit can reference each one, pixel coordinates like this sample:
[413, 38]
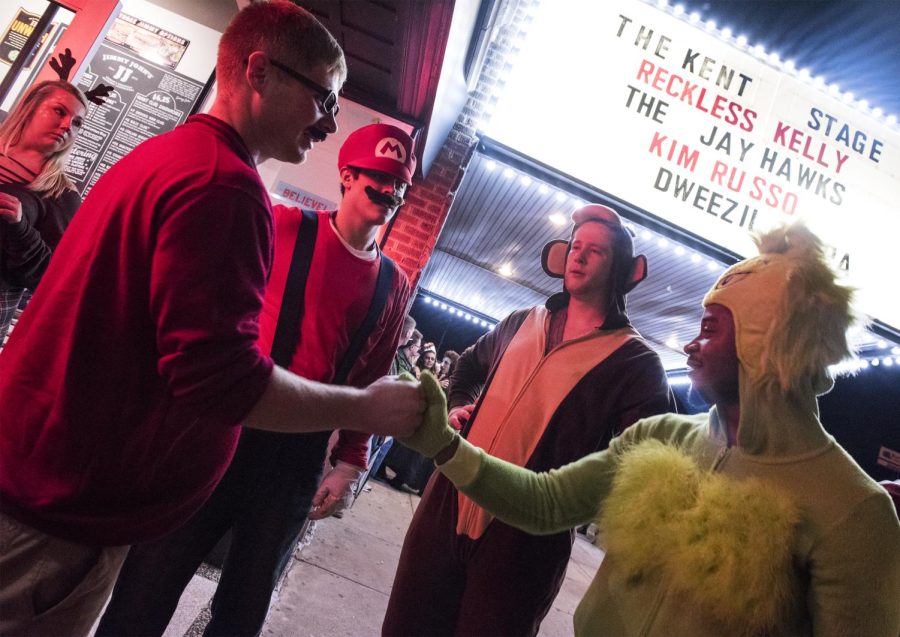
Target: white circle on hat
[391, 148]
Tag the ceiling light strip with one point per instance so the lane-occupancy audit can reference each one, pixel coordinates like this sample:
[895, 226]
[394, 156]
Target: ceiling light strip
[455, 309]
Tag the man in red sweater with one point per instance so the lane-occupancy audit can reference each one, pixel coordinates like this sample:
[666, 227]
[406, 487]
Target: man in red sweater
[269, 488]
[123, 386]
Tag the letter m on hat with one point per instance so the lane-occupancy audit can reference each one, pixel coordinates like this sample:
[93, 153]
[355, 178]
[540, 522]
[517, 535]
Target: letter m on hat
[392, 149]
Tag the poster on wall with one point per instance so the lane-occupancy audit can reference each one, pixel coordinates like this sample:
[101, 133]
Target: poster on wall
[16, 35]
[297, 196]
[707, 135]
[147, 41]
[148, 97]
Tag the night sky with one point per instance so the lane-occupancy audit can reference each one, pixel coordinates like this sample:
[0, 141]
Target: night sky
[852, 43]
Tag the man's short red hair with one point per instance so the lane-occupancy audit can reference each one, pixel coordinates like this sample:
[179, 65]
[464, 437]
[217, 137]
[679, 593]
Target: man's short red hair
[282, 30]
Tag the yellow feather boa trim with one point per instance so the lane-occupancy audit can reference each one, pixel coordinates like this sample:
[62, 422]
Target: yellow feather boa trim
[723, 545]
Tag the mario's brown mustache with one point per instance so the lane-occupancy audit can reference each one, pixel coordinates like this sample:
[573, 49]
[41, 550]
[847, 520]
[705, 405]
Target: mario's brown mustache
[383, 198]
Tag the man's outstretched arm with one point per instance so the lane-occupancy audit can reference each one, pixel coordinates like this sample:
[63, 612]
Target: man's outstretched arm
[290, 404]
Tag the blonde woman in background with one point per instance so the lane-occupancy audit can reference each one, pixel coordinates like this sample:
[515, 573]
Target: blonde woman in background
[37, 200]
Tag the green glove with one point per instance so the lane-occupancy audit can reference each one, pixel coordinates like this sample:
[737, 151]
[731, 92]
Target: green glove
[435, 433]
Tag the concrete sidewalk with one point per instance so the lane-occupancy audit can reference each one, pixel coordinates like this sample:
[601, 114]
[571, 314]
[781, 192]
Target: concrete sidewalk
[338, 584]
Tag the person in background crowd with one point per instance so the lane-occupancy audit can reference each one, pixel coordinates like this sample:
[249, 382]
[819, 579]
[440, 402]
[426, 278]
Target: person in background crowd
[411, 470]
[553, 384]
[406, 334]
[448, 364]
[272, 481]
[379, 446]
[409, 353]
[37, 200]
[427, 360]
[746, 520]
[124, 383]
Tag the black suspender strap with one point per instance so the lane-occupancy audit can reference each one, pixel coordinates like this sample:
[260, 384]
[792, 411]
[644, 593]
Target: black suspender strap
[287, 330]
[376, 307]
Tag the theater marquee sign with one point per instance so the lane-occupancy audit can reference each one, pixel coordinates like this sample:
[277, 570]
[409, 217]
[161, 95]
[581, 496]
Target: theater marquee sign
[705, 134]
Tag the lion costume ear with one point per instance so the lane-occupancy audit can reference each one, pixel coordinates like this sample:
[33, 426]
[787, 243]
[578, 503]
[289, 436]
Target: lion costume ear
[811, 316]
[638, 272]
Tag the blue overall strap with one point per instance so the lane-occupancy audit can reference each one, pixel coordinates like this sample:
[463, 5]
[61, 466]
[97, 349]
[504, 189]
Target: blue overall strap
[287, 330]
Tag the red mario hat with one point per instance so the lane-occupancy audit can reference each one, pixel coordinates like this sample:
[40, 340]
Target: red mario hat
[380, 147]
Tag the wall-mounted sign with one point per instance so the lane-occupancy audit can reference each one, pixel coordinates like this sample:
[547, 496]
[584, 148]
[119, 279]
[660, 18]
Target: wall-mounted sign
[701, 133]
[17, 34]
[147, 41]
[296, 196]
[149, 99]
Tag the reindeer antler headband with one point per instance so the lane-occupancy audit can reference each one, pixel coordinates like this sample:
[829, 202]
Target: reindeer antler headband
[63, 67]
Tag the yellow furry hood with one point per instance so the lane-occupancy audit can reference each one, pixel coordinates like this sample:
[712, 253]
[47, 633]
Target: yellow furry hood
[791, 317]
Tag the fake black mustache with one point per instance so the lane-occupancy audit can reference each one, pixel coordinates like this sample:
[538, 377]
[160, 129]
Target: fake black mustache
[317, 134]
[383, 198]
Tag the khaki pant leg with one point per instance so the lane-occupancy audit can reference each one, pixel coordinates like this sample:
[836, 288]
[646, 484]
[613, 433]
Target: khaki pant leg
[50, 586]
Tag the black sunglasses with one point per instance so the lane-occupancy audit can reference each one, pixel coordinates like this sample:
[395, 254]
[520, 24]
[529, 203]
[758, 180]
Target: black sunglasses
[329, 99]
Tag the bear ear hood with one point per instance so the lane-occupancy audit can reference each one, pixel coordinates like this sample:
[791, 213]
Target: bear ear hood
[791, 317]
[628, 269]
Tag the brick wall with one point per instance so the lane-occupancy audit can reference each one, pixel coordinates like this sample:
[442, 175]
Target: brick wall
[418, 226]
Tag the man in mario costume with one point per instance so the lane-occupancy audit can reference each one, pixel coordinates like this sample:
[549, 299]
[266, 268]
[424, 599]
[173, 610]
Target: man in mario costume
[333, 312]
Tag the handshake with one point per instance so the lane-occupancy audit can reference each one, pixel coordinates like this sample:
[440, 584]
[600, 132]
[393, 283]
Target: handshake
[434, 434]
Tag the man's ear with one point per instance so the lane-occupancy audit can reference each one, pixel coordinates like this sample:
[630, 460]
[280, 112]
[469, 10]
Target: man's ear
[347, 177]
[258, 72]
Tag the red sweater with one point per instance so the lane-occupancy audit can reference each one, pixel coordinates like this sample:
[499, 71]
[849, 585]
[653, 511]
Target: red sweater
[339, 289]
[122, 385]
